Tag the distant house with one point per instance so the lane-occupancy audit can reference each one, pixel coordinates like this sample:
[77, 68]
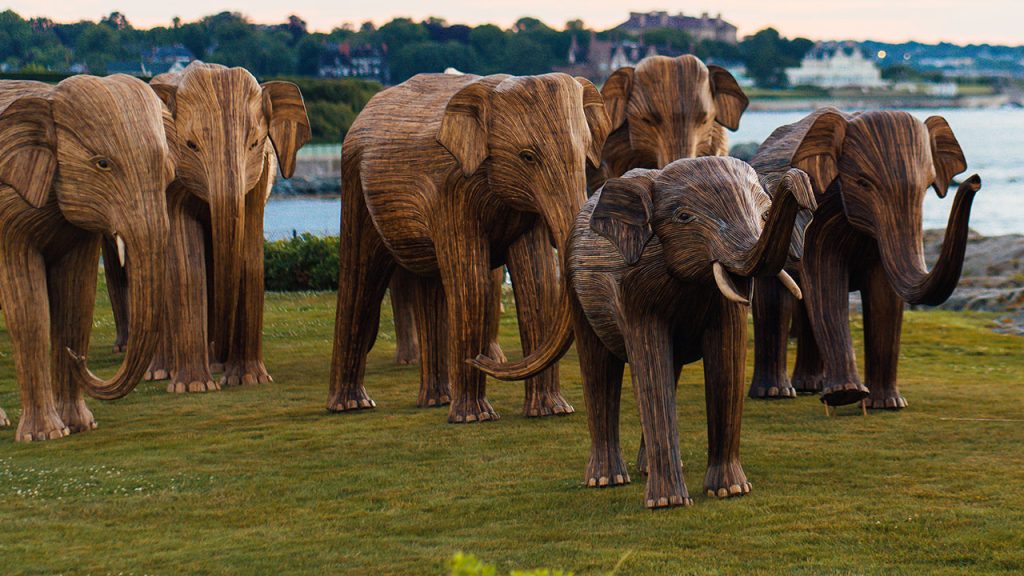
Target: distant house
[600, 58]
[836, 65]
[159, 60]
[361, 61]
[703, 28]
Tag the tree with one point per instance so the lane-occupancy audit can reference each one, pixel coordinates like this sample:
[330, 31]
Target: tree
[767, 55]
[431, 57]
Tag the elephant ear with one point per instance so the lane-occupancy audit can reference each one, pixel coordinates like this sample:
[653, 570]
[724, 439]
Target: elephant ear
[288, 124]
[28, 142]
[819, 148]
[730, 101]
[597, 120]
[623, 215]
[463, 130]
[946, 154]
[616, 92]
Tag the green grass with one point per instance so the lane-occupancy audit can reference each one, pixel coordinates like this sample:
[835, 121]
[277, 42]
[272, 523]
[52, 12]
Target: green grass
[263, 480]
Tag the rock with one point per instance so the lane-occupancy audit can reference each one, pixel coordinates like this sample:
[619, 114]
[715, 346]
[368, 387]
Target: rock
[744, 150]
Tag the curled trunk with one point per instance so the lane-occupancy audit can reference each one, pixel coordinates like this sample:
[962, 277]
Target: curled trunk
[768, 255]
[903, 258]
[145, 267]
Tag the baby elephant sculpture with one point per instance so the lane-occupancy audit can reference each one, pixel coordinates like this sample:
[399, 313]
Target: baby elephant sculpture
[870, 173]
[660, 264]
[79, 161]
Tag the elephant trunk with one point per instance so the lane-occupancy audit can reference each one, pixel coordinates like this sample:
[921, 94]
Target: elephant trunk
[227, 223]
[145, 268]
[559, 221]
[768, 255]
[902, 254]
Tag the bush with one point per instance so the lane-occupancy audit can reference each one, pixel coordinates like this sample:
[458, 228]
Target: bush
[305, 262]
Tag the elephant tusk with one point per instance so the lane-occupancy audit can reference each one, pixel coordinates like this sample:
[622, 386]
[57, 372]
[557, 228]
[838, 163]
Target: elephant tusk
[120, 248]
[790, 284]
[725, 285]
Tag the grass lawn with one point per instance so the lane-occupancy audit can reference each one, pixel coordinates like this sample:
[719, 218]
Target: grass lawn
[263, 480]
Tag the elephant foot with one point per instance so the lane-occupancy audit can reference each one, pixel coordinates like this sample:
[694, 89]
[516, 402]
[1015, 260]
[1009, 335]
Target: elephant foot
[34, 427]
[350, 400]
[78, 418]
[886, 400]
[843, 394]
[726, 480]
[467, 411]
[606, 471]
[807, 383]
[435, 394]
[546, 403]
[195, 380]
[4, 422]
[119, 348]
[245, 373]
[666, 492]
[156, 371]
[766, 388]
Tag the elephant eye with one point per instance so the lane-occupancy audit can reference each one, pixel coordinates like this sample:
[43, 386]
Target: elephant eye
[528, 156]
[255, 143]
[683, 217]
[764, 216]
[191, 145]
[863, 182]
[102, 163]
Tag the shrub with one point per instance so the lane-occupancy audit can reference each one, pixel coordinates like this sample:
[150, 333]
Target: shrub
[305, 262]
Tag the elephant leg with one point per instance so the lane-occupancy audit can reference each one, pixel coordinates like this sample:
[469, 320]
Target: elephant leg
[244, 363]
[532, 265]
[117, 290]
[809, 371]
[602, 392]
[4, 422]
[163, 358]
[26, 308]
[725, 357]
[826, 279]
[494, 309]
[71, 283]
[465, 269]
[649, 347]
[427, 300]
[186, 327]
[364, 269]
[641, 453]
[772, 309]
[883, 323]
[407, 344]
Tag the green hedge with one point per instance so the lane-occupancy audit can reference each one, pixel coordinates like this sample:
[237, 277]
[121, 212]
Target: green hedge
[305, 262]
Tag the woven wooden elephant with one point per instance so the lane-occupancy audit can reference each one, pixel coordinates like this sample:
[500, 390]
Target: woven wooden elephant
[666, 109]
[443, 175]
[231, 134]
[79, 161]
[870, 173]
[660, 264]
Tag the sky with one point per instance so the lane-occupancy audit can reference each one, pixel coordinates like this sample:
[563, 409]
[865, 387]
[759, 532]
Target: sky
[930, 21]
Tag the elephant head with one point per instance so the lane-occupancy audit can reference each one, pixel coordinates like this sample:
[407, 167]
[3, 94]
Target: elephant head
[97, 147]
[673, 108]
[882, 164]
[225, 126]
[712, 218]
[533, 136]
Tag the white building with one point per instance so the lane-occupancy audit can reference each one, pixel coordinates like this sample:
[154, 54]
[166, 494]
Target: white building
[834, 65]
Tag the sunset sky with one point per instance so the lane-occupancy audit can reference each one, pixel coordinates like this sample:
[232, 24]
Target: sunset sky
[959, 21]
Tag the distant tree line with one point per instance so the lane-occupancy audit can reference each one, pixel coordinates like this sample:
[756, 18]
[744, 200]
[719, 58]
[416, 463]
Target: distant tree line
[528, 47]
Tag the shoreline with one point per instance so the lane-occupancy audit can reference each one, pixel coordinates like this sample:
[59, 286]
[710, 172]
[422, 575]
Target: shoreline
[868, 102]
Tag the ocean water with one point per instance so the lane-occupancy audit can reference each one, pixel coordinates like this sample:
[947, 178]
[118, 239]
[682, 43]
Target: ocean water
[992, 141]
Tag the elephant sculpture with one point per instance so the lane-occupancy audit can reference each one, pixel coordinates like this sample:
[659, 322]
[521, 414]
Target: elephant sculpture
[79, 161]
[666, 109]
[448, 178]
[660, 263]
[231, 135]
[870, 173]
